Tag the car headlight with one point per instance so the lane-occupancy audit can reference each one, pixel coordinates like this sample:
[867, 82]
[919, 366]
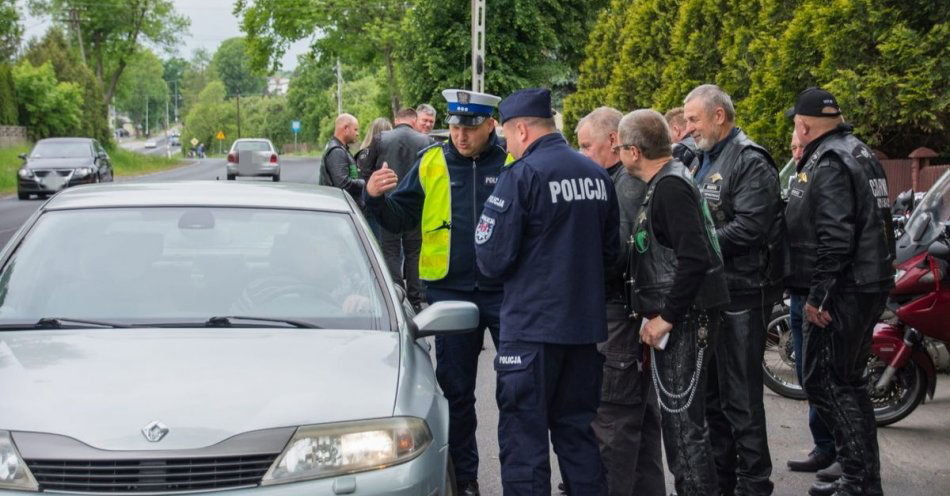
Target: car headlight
[14, 473]
[25, 173]
[82, 171]
[334, 449]
[899, 274]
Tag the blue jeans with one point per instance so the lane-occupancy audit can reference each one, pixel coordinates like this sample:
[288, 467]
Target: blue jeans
[824, 441]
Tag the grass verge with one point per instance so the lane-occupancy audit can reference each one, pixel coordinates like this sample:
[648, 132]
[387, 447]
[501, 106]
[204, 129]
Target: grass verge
[127, 163]
[9, 164]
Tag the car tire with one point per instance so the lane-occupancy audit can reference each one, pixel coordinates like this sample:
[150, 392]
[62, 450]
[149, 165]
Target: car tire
[231, 177]
[276, 178]
[22, 196]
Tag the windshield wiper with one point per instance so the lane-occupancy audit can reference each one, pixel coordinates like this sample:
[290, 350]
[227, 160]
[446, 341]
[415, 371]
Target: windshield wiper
[226, 321]
[59, 322]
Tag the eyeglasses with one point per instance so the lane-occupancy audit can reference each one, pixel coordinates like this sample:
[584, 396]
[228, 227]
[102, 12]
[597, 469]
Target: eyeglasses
[617, 148]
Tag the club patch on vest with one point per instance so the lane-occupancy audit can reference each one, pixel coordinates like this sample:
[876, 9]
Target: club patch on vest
[486, 225]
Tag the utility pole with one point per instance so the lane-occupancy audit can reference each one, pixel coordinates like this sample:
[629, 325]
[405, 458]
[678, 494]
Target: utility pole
[176, 101]
[478, 46]
[339, 88]
[238, 115]
[168, 146]
[146, 116]
[74, 20]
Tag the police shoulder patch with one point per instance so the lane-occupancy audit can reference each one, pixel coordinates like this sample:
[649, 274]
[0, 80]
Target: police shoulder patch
[484, 229]
[499, 204]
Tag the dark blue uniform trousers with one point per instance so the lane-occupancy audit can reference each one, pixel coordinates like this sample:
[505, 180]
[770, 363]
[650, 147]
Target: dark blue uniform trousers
[546, 387]
[456, 369]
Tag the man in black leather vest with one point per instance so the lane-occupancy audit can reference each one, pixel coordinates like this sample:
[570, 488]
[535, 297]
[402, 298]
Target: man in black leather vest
[739, 181]
[628, 418]
[842, 251]
[677, 284]
[338, 166]
[398, 149]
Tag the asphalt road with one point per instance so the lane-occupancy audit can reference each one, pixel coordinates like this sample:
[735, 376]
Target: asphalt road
[915, 453]
[14, 212]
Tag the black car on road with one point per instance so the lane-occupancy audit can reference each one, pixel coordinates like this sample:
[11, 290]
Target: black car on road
[57, 163]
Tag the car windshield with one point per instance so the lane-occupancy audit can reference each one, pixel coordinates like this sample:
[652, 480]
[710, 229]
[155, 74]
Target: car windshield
[61, 150]
[252, 146]
[934, 209]
[156, 266]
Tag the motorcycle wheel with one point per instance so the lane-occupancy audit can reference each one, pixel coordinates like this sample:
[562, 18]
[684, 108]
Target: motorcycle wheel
[778, 363]
[902, 395]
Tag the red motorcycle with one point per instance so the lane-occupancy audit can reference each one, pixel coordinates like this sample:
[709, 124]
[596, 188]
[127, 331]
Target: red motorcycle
[914, 333]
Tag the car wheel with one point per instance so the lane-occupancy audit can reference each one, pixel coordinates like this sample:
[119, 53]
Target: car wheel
[276, 178]
[22, 196]
[230, 177]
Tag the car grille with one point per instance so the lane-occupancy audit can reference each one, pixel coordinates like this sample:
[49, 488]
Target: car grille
[61, 172]
[150, 476]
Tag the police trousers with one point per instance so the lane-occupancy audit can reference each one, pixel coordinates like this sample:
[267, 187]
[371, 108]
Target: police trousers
[685, 437]
[456, 369]
[628, 418]
[734, 408]
[542, 388]
[834, 362]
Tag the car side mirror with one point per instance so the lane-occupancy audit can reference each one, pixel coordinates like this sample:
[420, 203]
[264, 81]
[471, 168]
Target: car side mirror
[445, 318]
[22, 156]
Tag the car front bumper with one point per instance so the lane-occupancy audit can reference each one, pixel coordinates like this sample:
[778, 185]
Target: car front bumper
[37, 185]
[423, 476]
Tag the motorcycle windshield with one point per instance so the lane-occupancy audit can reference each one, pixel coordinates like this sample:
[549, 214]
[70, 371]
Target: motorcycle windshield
[924, 224]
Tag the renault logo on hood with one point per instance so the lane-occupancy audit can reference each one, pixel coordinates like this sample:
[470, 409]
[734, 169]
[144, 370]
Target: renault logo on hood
[155, 431]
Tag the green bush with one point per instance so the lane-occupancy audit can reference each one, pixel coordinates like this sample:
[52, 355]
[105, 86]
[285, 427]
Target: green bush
[47, 107]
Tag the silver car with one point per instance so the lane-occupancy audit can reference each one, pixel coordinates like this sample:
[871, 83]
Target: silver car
[252, 158]
[208, 336]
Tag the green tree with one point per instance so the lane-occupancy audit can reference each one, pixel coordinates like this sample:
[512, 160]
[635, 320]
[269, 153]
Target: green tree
[360, 32]
[232, 66]
[8, 101]
[210, 114]
[55, 49]
[437, 54]
[47, 107]
[198, 73]
[306, 97]
[173, 73]
[110, 32]
[10, 29]
[143, 85]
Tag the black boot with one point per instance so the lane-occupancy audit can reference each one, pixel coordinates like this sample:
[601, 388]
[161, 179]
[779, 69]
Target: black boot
[822, 489]
[468, 488]
[830, 474]
[816, 461]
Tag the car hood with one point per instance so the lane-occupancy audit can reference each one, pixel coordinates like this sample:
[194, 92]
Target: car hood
[58, 163]
[103, 386]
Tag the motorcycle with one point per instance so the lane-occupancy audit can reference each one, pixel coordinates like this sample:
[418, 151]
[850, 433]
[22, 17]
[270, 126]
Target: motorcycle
[910, 344]
[920, 217]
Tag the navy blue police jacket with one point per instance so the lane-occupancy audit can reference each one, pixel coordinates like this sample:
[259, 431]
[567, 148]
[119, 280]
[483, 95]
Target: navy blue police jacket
[548, 231]
[472, 182]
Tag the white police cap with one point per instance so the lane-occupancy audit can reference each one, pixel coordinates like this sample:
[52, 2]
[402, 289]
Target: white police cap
[469, 108]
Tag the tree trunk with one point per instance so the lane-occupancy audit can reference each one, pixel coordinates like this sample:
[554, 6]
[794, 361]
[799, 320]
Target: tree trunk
[391, 77]
[132, 40]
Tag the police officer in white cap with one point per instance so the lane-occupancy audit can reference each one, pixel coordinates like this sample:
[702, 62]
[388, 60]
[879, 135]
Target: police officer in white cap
[444, 191]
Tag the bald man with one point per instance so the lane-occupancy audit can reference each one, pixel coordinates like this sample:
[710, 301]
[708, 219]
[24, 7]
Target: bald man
[338, 167]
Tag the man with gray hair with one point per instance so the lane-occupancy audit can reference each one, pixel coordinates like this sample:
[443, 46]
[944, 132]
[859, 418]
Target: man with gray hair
[425, 118]
[628, 418]
[677, 285]
[740, 183]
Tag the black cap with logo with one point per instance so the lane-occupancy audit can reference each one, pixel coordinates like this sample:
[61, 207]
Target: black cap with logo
[815, 102]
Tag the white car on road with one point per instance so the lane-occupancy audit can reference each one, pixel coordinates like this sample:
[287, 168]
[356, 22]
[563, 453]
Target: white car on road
[253, 157]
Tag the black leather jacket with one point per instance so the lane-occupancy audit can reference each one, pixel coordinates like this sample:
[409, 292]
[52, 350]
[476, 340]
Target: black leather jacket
[338, 168]
[742, 190]
[630, 192]
[839, 222]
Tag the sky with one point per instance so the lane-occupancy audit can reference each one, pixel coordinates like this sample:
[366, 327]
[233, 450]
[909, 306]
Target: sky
[211, 23]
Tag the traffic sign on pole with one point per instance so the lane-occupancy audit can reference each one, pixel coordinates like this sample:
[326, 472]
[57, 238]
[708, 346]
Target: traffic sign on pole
[295, 126]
